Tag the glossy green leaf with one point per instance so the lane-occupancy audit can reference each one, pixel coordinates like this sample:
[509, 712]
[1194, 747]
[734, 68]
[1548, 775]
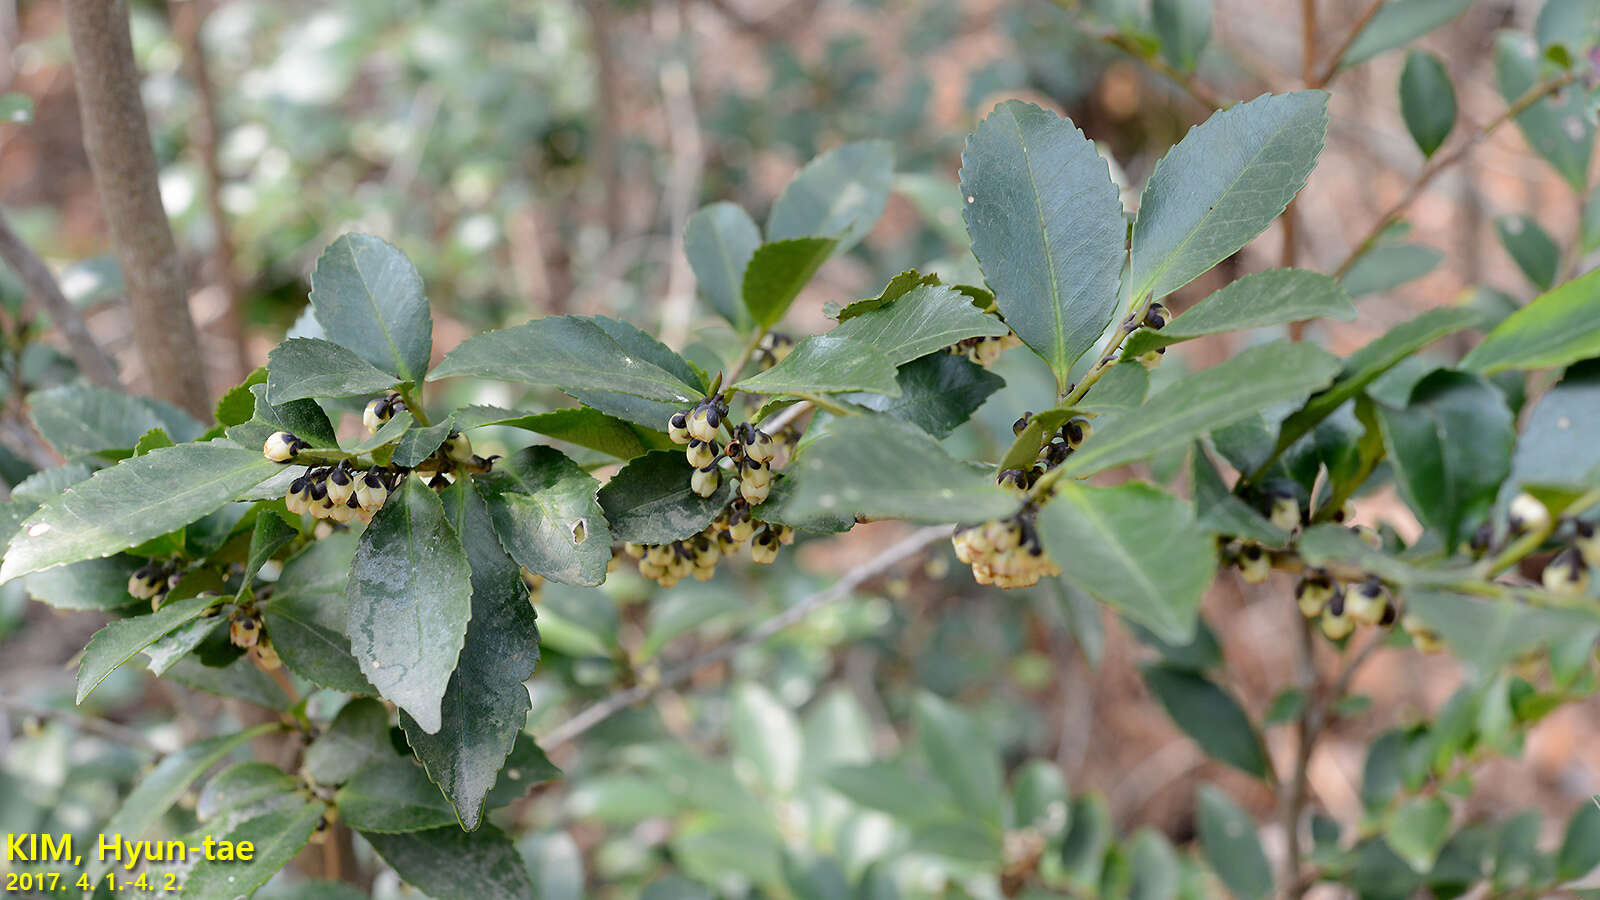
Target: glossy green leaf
[486, 704]
[157, 791]
[1047, 229]
[46, 483]
[1366, 364]
[777, 272]
[1123, 386]
[241, 786]
[839, 195]
[1450, 448]
[357, 737]
[921, 321]
[1184, 27]
[1560, 441]
[410, 596]
[1228, 840]
[1134, 548]
[238, 680]
[368, 297]
[893, 789]
[1228, 392]
[451, 864]
[1273, 297]
[1559, 128]
[302, 418]
[1222, 185]
[117, 642]
[1427, 100]
[419, 442]
[1418, 830]
[898, 287]
[1210, 715]
[1580, 846]
[267, 537]
[1531, 248]
[166, 651]
[77, 419]
[565, 352]
[880, 467]
[392, 795]
[1558, 328]
[1386, 267]
[546, 515]
[100, 584]
[649, 500]
[129, 503]
[237, 404]
[304, 367]
[308, 613]
[962, 756]
[1154, 863]
[1399, 22]
[579, 425]
[719, 240]
[276, 837]
[937, 393]
[826, 364]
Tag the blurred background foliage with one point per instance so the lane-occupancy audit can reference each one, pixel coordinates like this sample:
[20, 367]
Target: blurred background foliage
[541, 157]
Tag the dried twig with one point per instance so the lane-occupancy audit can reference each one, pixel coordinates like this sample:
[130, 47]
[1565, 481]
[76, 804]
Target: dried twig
[41, 284]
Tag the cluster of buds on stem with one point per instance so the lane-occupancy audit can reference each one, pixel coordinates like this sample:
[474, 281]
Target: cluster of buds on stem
[247, 632]
[1340, 606]
[1005, 552]
[381, 410]
[984, 350]
[750, 451]
[697, 555]
[772, 349]
[150, 582]
[341, 492]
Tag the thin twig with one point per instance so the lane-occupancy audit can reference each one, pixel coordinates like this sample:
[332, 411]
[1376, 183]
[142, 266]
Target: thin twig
[41, 284]
[111, 731]
[1332, 67]
[682, 672]
[1533, 95]
[786, 417]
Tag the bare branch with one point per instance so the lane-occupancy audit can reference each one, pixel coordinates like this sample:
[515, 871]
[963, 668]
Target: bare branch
[617, 702]
[42, 286]
[109, 730]
[116, 135]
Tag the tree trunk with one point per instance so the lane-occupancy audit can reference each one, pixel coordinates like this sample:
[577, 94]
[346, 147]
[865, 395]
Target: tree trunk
[117, 138]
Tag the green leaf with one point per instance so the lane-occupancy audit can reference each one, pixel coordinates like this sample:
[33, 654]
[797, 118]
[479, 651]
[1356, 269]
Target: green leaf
[157, 791]
[268, 536]
[1580, 847]
[304, 368]
[1228, 392]
[100, 584]
[77, 419]
[1399, 22]
[357, 737]
[451, 864]
[16, 108]
[418, 443]
[1560, 442]
[1222, 185]
[392, 795]
[565, 352]
[962, 756]
[1490, 633]
[649, 501]
[1134, 548]
[1556, 329]
[238, 680]
[368, 297]
[1417, 831]
[579, 425]
[826, 364]
[766, 737]
[898, 287]
[1450, 448]
[880, 467]
[1047, 229]
[1184, 27]
[302, 418]
[544, 510]
[719, 241]
[1384, 268]
[129, 503]
[277, 838]
[117, 642]
[839, 195]
[1228, 840]
[237, 404]
[1531, 248]
[1039, 798]
[308, 613]
[1210, 715]
[777, 272]
[1155, 866]
[937, 392]
[891, 788]
[1083, 852]
[1273, 297]
[154, 439]
[241, 786]
[46, 483]
[1427, 100]
[921, 321]
[1559, 128]
[410, 596]
[486, 703]
[1373, 360]
[1219, 510]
